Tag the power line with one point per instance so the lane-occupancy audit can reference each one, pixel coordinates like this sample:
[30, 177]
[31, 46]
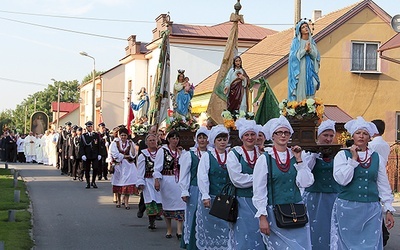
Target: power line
[23, 82]
[81, 18]
[66, 30]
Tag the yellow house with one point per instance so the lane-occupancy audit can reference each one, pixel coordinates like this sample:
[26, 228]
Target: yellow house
[365, 87]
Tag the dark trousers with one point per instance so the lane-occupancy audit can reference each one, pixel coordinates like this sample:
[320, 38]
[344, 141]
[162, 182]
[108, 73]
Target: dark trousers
[21, 157]
[90, 163]
[103, 168]
[58, 159]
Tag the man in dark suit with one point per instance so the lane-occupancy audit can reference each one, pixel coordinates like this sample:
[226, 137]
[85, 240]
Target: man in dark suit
[11, 147]
[62, 146]
[89, 150]
[104, 143]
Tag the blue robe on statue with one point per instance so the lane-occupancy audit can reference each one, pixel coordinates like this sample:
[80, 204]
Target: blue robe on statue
[303, 80]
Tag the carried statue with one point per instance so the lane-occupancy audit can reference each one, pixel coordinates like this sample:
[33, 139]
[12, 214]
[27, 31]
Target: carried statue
[183, 93]
[304, 63]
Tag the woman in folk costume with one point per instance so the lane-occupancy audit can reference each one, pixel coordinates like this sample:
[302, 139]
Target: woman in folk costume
[166, 174]
[152, 198]
[125, 175]
[241, 161]
[212, 176]
[357, 212]
[289, 172]
[319, 197]
[188, 183]
[260, 138]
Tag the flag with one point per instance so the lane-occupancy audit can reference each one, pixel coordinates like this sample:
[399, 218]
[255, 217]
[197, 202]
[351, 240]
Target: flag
[161, 97]
[217, 101]
[269, 105]
[131, 116]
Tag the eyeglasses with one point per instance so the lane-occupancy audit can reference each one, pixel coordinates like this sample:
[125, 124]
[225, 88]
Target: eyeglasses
[280, 133]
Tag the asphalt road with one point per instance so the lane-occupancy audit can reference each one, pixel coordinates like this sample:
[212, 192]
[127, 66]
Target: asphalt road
[68, 216]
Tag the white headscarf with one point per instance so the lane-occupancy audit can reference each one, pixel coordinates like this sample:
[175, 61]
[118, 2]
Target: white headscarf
[214, 132]
[359, 123]
[273, 124]
[244, 126]
[326, 125]
[201, 130]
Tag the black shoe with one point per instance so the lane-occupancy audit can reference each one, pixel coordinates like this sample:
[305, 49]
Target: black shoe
[158, 217]
[179, 236]
[94, 185]
[99, 179]
[139, 214]
[87, 185]
[105, 178]
[74, 179]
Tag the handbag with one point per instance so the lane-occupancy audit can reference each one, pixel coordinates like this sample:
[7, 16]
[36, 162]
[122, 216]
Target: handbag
[290, 215]
[225, 205]
[111, 168]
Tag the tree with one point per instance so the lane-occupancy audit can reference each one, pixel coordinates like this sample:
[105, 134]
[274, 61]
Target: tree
[69, 93]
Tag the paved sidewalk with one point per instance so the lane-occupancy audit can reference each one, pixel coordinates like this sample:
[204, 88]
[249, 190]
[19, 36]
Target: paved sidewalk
[68, 216]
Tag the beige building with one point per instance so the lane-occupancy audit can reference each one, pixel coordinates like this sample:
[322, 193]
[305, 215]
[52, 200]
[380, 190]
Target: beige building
[369, 89]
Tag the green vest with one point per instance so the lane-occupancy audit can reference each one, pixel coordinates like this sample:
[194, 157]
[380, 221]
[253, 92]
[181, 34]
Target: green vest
[246, 169]
[323, 178]
[193, 169]
[217, 175]
[363, 187]
[285, 188]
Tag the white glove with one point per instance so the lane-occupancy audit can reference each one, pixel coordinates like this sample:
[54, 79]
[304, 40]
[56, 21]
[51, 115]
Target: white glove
[99, 157]
[71, 157]
[83, 157]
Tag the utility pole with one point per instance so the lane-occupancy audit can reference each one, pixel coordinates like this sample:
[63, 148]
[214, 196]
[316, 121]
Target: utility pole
[297, 11]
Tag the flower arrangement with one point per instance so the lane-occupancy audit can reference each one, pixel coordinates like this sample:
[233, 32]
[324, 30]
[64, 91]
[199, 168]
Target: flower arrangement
[139, 128]
[180, 123]
[230, 118]
[306, 109]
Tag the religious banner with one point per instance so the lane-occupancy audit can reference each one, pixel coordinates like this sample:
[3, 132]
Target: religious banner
[39, 122]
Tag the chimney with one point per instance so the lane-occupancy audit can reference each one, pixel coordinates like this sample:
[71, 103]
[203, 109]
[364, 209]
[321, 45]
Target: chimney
[316, 15]
[133, 46]
[163, 22]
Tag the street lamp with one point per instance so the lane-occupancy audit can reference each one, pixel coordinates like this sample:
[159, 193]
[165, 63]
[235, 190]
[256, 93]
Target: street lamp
[83, 53]
[58, 102]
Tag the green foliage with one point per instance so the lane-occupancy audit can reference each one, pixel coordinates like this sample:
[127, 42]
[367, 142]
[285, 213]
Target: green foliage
[14, 234]
[89, 77]
[15, 119]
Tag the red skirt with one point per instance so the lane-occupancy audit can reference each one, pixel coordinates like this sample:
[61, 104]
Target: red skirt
[129, 190]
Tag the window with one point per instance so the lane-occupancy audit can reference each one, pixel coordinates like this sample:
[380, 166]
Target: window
[364, 57]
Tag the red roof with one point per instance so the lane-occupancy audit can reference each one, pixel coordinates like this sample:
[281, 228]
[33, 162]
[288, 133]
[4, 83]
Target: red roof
[336, 114]
[222, 30]
[64, 106]
[393, 42]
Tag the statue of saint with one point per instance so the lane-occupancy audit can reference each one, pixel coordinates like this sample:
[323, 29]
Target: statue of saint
[304, 62]
[142, 108]
[236, 87]
[183, 91]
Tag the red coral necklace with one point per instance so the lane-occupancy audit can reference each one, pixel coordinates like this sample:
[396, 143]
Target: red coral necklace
[366, 162]
[284, 167]
[251, 162]
[221, 163]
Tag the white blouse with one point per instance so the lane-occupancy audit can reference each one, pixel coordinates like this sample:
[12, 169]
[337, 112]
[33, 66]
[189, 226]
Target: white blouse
[343, 171]
[202, 173]
[185, 163]
[239, 179]
[304, 178]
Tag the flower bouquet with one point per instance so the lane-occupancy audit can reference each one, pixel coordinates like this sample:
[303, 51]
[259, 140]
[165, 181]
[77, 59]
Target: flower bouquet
[307, 109]
[181, 123]
[230, 117]
[139, 128]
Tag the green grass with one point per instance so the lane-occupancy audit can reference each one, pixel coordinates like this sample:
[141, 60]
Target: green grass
[14, 234]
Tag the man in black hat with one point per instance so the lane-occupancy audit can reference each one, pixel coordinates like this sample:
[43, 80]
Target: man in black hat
[90, 153]
[104, 143]
[62, 146]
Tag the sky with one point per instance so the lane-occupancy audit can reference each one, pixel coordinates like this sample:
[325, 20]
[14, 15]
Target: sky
[41, 39]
